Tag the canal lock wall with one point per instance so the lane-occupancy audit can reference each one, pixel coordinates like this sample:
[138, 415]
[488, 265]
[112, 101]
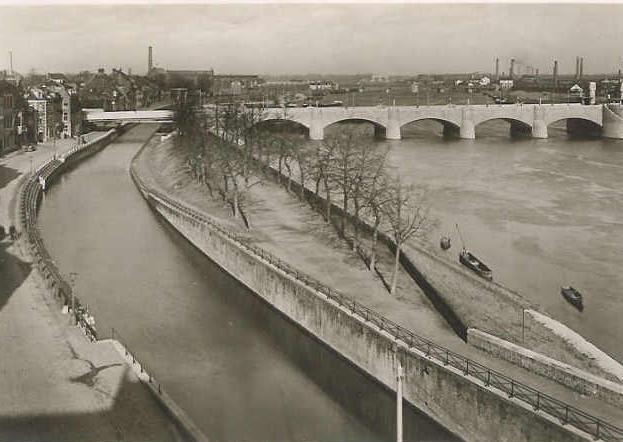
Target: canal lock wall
[472, 401]
[30, 196]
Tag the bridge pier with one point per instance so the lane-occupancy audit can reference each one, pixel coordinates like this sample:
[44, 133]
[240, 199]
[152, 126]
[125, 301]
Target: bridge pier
[539, 129]
[612, 121]
[467, 130]
[392, 131]
[316, 128]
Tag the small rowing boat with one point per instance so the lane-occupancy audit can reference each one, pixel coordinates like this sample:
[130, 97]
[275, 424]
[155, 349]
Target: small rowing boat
[470, 261]
[573, 297]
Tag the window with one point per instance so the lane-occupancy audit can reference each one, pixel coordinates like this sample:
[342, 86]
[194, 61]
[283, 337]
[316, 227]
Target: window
[7, 122]
[8, 101]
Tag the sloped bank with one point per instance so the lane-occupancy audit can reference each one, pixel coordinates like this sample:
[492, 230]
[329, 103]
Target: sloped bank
[30, 198]
[472, 401]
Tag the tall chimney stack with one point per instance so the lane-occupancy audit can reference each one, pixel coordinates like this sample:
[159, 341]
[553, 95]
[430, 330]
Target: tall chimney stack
[150, 60]
[577, 68]
[581, 68]
[497, 69]
[555, 73]
[511, 72]
[11, 61]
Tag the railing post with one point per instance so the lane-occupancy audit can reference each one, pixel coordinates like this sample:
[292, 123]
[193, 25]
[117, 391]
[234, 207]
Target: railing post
[488, 381]
[538, 401]
[597, 430]
[447, 361]
[466, 367]
[512, 393]
[566, 419]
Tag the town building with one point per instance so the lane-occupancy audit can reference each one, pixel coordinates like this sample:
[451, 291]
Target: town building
[10, 106]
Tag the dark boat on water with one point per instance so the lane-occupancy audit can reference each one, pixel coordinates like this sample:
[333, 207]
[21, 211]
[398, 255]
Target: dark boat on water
[573, 297]
[445, 243]
[469, 260]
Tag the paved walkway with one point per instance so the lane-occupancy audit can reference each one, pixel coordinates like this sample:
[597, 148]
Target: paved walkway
[54, 383]
[297, 234]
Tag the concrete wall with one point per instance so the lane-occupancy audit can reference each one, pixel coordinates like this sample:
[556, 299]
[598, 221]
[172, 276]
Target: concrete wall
[463, 404]
[579, 380]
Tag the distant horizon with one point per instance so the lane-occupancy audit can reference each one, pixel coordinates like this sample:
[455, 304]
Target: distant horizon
[306, 39]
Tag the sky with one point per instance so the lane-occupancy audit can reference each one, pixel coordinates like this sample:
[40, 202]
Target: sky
[321, 38]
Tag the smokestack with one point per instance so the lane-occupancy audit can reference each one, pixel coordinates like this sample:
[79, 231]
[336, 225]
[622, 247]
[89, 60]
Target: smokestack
[555, 73]
[581, 68]
[11, 61]
[150, 60]
[577, 68]
[511, 71]
[497, 69]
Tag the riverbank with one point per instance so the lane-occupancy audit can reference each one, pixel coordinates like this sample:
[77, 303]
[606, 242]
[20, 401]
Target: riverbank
[56, 385]
[287, 223]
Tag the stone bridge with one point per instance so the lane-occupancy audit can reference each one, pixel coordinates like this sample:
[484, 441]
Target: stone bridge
[140, 116]
[531, 119]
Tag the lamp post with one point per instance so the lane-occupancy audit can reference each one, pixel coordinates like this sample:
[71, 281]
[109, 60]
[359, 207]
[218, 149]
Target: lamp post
[399, 377]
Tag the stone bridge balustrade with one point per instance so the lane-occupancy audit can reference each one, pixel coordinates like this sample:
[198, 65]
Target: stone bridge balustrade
[524, 118]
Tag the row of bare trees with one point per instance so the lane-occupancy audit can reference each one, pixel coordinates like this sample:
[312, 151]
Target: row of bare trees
[347, 169]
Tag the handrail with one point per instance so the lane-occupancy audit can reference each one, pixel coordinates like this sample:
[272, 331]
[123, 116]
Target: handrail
[537, 400]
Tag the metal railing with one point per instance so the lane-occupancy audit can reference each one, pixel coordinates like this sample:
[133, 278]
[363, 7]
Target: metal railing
[540, 402]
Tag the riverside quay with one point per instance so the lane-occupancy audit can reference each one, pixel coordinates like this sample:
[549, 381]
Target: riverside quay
[259, 222]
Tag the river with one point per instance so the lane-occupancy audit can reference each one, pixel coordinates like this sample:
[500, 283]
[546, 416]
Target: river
[541, 213]
[234, 365]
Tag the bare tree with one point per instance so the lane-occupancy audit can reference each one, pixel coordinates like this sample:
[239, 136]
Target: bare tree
[341, 168]
[405, 215]
[366, 180]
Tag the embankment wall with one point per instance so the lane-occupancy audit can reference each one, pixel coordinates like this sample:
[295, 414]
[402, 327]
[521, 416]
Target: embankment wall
[579, 380]
[470, 400]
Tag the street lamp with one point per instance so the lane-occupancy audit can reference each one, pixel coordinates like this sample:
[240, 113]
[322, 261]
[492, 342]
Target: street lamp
[399, 378]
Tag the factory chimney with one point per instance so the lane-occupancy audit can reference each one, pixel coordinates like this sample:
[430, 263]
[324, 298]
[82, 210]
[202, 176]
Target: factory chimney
[11, 61]
[511, 72]
[150, 60]
[556, 73]
[581, 68]
[497, 69]
[577, 68]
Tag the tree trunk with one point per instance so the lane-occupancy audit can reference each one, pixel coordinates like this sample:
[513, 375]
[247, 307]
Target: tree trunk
[356, 225]
[375, 235]
[395, 274]
[344, 214]
[318, 184]
[302, 175]
[236, 211]
[328, 204]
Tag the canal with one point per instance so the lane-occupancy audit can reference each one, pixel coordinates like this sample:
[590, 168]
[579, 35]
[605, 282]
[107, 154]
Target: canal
[240, 371]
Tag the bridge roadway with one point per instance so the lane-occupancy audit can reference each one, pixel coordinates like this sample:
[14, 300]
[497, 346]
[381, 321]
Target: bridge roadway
[531, 119]
[137, 116]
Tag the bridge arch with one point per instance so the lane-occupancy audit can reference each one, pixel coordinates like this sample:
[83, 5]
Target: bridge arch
[281, 121]
[579, 126]
[450, 128]
[518, 126]
[379, 126]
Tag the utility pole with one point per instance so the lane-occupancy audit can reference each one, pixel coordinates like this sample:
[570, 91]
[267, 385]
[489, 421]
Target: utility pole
[399, 377]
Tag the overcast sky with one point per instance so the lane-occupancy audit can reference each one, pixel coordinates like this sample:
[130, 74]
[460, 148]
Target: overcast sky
[312, 38]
